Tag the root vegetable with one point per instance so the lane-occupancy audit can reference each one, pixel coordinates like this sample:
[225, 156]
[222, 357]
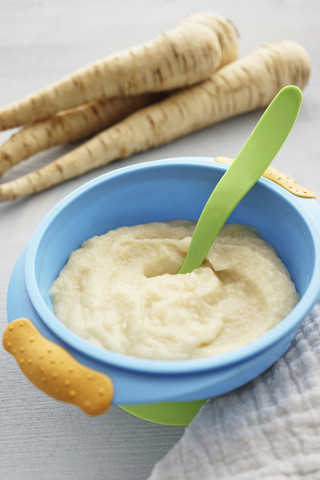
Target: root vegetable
[182, 56]
[242, 86]
[68, 126]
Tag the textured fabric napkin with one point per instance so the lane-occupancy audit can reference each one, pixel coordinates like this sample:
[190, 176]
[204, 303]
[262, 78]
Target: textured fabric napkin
[268, 429]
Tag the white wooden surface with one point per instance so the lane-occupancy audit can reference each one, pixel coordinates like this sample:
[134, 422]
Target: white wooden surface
[41, 40]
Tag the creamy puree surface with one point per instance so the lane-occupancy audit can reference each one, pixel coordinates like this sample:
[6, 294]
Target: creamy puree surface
[120, 291]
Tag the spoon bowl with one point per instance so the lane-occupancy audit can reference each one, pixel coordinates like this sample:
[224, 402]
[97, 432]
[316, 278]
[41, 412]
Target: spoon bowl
[167, 391]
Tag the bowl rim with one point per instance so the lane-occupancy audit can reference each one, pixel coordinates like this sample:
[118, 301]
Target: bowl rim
[164, 367]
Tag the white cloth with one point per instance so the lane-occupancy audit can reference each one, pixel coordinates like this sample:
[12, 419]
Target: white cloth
[268, 429]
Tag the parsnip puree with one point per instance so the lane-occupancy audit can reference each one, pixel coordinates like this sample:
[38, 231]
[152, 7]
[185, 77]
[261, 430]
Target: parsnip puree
[120, 291]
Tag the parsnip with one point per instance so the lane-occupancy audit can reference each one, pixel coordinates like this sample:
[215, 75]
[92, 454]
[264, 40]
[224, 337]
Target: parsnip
[242, 86]
[182, 56]
[69, 126]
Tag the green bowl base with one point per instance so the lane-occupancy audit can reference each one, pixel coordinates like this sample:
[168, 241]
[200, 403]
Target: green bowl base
[167, 413]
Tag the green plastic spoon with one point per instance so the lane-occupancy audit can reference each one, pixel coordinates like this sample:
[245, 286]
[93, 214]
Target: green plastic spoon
[255, 156]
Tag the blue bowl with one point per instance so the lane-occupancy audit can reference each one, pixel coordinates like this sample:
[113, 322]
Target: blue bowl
[160, 191]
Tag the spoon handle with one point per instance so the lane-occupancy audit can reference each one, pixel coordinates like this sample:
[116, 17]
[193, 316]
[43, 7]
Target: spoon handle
[255, 156]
